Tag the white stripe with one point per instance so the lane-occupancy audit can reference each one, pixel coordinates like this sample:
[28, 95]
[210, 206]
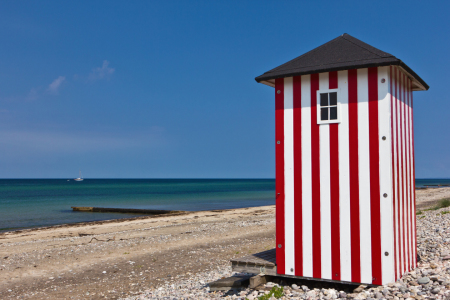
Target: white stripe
[413, 180]
[344, 179]
[325, 216]
[405, 177]
[395, 174]
[400, 177]
[408, 178]
[364, 177]
[289, 176]
[384, 130]
[306, 176]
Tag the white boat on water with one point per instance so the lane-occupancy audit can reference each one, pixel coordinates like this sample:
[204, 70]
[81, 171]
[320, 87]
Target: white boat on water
[79, 178]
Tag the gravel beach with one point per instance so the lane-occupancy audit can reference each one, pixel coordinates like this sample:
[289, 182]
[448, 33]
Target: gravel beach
[174, 257]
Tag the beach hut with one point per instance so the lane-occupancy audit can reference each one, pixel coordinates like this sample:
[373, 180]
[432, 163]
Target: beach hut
[345, 200]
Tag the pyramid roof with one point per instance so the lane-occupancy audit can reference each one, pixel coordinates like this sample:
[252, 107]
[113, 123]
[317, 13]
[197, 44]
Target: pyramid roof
[342, 53]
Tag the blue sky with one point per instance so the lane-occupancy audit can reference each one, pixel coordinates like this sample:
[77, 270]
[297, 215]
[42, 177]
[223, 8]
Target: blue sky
[165, 89]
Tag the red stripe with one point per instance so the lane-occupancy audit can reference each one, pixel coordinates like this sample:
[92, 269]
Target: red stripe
[298, 231]
[414, 175]
[397, 114]
[393, 177]
[354, 175]
[411, 180]
[334, 191]
[333, 80]
[402, 173]
[374, 160]
[315, 178]
[407, 177]
[279, 173]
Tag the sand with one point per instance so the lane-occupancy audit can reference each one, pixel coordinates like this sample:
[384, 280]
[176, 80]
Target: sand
[429, 197]
[120, 258]
[116, 259]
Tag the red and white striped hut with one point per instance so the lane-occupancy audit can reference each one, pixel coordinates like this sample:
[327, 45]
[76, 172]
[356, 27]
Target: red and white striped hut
[345, 199]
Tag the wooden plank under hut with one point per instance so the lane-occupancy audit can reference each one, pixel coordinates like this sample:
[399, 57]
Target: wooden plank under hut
[262, 262]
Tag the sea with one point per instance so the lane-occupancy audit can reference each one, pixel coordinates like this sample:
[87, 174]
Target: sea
[29, 203]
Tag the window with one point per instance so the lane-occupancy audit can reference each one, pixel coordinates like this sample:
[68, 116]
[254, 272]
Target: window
[327, 106]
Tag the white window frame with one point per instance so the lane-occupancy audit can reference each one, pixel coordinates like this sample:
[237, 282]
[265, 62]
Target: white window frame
[338, 120]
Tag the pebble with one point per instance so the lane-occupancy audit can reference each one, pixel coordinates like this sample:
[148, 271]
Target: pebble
[430, 280]
[435, 290]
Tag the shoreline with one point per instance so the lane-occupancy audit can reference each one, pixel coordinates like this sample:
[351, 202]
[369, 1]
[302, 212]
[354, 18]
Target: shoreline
[421, 205]
[84, 223]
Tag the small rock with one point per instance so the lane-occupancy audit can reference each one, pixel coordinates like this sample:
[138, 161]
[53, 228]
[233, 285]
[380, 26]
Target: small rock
[359, 289]
[434, 278]
[435, 290]
[423, 280]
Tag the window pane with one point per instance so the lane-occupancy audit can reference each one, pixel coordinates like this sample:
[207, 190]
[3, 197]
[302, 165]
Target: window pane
[333, 98]
[333, 113]
[324, 99]
[324, 114]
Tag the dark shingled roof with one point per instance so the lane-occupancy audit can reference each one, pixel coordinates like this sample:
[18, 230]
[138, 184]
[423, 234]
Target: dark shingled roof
[343, 53]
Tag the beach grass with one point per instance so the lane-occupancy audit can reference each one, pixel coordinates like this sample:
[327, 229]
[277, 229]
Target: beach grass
[441, 204]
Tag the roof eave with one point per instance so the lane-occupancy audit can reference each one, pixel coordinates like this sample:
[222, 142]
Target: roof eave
[267, 77]
[418, 82]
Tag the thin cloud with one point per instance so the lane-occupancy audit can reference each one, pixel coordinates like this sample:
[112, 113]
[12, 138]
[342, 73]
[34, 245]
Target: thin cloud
[103, 72]
[53, 88]
[32, 95]
[15, 141]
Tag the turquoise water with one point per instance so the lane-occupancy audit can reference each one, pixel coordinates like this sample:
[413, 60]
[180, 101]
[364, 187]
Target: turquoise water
[26, 203]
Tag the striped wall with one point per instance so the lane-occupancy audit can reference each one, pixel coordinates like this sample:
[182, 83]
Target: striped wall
[403, 173]
[344, 191]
